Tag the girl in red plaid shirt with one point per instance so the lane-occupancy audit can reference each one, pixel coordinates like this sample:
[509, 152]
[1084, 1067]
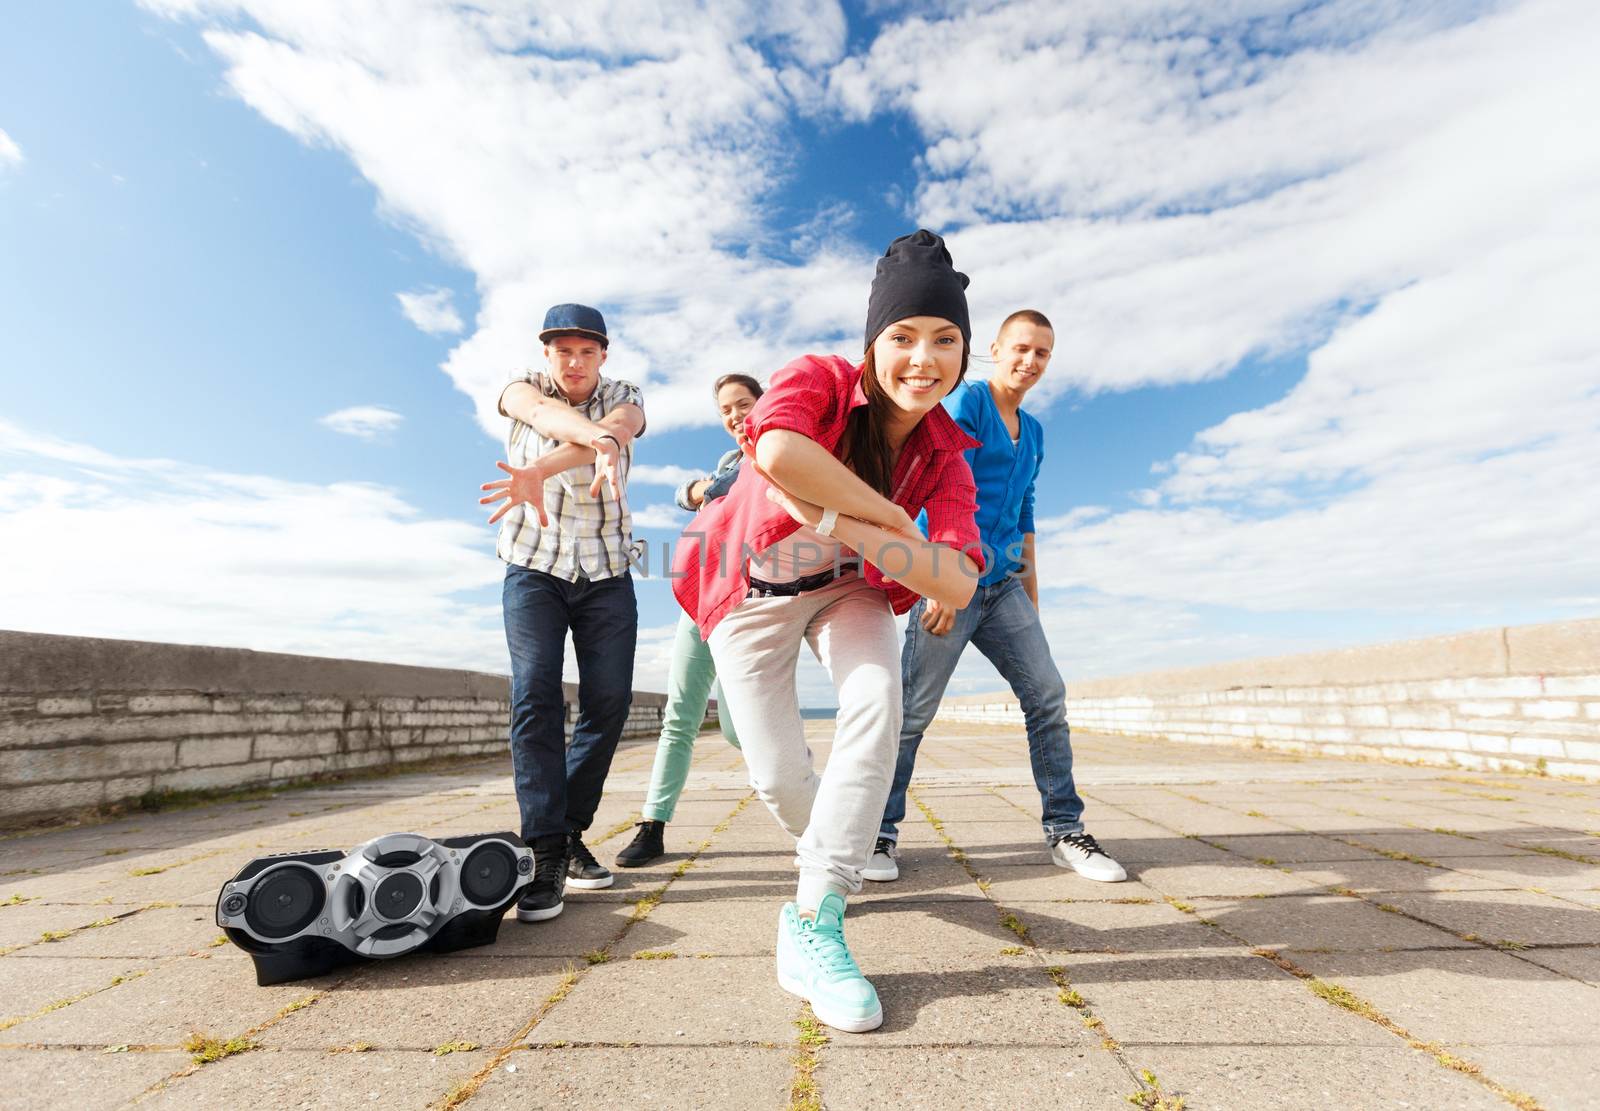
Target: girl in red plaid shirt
[816, 543]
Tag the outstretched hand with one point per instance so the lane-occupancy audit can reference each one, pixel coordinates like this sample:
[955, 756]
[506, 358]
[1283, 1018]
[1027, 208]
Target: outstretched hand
[526, 485]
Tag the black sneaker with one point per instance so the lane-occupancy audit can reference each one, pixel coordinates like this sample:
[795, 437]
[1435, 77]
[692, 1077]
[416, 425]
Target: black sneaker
[583, 870]
[542, 898]
[645, 846]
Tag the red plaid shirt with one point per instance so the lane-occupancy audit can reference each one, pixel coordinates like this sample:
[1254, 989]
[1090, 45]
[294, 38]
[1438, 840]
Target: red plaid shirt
[814, 396]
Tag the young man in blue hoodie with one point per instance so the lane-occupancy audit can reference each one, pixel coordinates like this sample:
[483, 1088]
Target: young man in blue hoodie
[1003, 617]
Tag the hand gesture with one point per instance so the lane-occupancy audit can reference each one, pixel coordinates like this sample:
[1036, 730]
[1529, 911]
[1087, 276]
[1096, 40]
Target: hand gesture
[606, 455]
[937, 619]
[526, 484]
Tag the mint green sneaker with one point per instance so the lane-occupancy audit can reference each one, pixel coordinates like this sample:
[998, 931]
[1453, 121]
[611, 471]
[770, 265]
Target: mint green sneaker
[815, 964]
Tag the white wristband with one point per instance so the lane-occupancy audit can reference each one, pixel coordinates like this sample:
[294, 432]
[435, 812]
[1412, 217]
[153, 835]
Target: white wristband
[830, 517]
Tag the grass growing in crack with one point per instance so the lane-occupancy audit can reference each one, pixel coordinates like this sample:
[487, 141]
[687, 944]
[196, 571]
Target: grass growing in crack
[1015, 925]
[1513, 946]
[297, 1005]
[353, 1047]
[1152, 1097]
[1012, 951]
[113, 852]
[597, 956]
[155, 870]
[454, 1047]
[204, 1049]
[16, 900]
[55, 935]
[1179, 904]
[655, 955]
[1577, 858]
[621, 827]
[647, 902]
[803, 1092]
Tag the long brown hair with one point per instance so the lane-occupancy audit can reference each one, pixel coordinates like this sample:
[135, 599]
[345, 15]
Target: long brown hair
[864, 446]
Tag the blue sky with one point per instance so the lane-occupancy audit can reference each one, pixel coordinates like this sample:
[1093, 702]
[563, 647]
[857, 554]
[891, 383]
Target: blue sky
[1287, 411]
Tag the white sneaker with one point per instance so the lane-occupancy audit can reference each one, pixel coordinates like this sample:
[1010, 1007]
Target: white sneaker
[1083, 854]
[882, 867]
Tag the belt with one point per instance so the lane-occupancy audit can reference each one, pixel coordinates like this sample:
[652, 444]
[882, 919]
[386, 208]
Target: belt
[762, 589]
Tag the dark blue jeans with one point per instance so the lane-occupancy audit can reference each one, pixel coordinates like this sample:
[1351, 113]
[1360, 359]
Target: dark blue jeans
[558, 786]
[1004, 626]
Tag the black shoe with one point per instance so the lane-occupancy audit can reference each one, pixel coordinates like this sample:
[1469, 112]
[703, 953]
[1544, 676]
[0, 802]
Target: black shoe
[542, 898]
[645, 846]
[583, 870]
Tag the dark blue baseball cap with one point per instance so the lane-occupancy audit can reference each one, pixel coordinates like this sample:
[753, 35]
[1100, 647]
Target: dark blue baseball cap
[574, 320]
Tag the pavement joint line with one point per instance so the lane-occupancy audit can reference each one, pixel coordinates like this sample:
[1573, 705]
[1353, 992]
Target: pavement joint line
[1509, 946]
[467, 1088]
[246, 1041]
[1065, 993]
[810, 1037]
[1339, 996]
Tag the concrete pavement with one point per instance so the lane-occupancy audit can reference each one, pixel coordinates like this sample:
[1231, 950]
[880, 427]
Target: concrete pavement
[1296, 933]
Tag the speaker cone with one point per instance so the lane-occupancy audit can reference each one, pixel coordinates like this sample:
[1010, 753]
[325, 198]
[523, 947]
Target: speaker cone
[285, 901]
[397, 895]
[489, 873]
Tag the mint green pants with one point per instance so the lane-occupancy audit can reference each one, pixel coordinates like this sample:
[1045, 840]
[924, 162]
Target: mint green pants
[688, 690]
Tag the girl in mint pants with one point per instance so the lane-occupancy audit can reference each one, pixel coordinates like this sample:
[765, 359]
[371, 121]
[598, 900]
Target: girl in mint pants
[693, 673]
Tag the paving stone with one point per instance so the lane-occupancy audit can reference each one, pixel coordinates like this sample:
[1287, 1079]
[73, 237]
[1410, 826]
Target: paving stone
[217, 995]
[83, 1079]
[688, 927]
[938, 1000]
[1376, 874]
[1517, 916]
[1206, 997]
[1578, 963]
[24, 925]
[1114, 927]
[909, 925]
[722, 999]
[1548, 872]
[1291, 848]
[1468, 996]
[1352, 1078]
[1237, 878]
[1555, 1071]
[150, 933]
[28, 986]
[860, 1078]
[1321, 922]
[677, 1076]
[315, 1078]
[418, 1002]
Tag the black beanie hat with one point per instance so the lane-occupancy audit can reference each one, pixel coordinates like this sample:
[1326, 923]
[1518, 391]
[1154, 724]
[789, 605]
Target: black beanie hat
[916, 278]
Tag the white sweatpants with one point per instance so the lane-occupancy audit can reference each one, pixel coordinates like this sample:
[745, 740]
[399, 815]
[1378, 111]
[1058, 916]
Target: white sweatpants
[851, 631]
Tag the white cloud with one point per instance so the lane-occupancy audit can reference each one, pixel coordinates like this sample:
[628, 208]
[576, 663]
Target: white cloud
[618, 155]
[662, 515]
[210, 557]
[1415, 201]
[432, 310]
[365, 422]
[662, 474]
[10, 153]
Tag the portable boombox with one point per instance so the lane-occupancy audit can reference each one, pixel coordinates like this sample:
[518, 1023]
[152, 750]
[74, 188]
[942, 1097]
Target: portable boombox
[304, 914]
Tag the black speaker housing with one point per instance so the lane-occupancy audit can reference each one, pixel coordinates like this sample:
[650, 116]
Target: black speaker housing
[343, 921]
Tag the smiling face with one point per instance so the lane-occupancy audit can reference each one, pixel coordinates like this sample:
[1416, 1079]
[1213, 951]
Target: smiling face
[1021, 354]
[575, 363]
[917, 361]
[734, 402]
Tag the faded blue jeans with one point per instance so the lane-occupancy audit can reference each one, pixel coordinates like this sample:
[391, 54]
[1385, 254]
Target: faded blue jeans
[1002, 623]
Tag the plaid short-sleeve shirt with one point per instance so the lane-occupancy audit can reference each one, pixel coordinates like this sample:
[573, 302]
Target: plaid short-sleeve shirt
[588, 537]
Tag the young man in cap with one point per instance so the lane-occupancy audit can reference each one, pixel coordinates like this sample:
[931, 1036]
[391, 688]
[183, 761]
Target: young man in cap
[565, 536]
[1002, 618]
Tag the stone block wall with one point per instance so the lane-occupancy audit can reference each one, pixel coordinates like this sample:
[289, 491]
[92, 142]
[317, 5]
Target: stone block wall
[87, 723]
[1525, 698]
